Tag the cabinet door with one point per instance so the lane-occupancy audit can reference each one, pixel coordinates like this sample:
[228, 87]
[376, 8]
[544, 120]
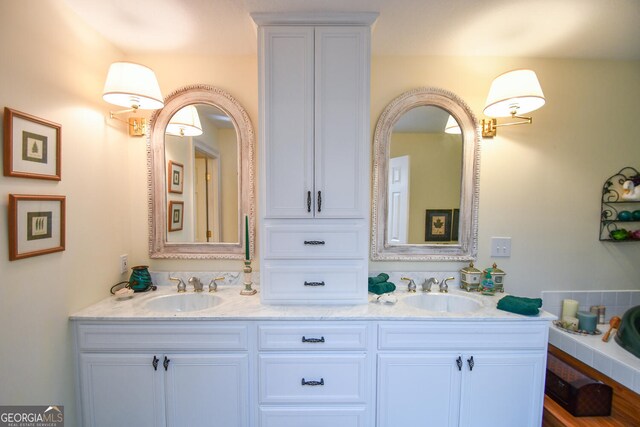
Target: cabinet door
[287, 119]
[341, 122]
[418, 390]
[207, 390]
[503, 390]
[121, 390]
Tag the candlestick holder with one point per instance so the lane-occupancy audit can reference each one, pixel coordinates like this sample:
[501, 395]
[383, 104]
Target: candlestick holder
[247, 279]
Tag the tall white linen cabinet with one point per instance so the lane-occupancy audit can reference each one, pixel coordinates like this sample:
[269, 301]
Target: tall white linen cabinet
[314, 150]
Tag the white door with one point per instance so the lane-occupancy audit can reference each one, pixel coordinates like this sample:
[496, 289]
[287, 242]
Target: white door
[398, 203]
[121, 390]
[503, 390]
[418, 390]
[287, 108]
[207, 390]
[341, 122]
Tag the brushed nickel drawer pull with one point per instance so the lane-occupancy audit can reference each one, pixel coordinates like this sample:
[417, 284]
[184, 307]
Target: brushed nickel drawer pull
[314, 242]
[313, 383]
[313, 340]
[314, 283]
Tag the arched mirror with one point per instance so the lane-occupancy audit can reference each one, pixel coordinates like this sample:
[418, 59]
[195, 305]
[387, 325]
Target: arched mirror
[426, 179]
[201, 176]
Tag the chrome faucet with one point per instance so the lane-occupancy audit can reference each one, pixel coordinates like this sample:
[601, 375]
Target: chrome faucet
[197, 284]
[213, 286]
[411, 287]
[444, 286]
[181, 286]
[426, 285]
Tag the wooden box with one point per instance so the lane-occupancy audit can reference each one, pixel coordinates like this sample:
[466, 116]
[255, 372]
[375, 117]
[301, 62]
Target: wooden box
[577, 393]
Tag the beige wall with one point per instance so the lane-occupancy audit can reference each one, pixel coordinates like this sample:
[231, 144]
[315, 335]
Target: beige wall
[540, 184]
[54, 67]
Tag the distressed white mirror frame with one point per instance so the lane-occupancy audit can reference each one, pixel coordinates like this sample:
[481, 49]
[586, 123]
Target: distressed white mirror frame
[467, 247]
[156, 165]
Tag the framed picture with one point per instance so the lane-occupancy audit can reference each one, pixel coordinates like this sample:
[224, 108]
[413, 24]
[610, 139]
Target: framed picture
[36, 225]
[176, 214]
[438, 225]
[176, 177]
[31, 146]
[455, 225]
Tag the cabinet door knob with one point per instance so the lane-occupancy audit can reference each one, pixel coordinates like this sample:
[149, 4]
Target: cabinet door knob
[313, 383]
[314, 283]
[155, 363]
[166, 363]
[459, 363]
[312, 340]
[308, 201]
[319, 201]
[470, 363]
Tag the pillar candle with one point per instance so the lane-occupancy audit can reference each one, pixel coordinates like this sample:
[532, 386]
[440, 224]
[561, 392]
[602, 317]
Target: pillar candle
[246, 237]
[587, 321]
[569, 308]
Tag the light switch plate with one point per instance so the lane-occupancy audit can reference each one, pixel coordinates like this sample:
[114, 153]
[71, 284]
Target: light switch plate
[500, 247]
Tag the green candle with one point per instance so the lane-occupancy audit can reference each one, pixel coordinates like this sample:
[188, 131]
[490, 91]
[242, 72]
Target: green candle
[246, 237]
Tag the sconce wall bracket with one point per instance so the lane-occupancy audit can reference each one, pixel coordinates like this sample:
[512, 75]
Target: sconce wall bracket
[489, 126]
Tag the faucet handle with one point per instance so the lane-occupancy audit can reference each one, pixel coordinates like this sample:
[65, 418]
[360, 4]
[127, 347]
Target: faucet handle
[444, 286]
[213, 286]
[411, 287]
[181, 285]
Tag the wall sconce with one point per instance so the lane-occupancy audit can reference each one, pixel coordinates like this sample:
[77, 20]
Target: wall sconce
[185, 122]
[512, 94]
[134, 87]
[452, 126]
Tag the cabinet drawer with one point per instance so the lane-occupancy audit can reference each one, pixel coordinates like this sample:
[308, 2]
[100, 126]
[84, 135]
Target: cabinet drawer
[313, 417]
[325, 241]
[302, 282]
[177, 336]
[461, 335]
[312, 337]
[296, 378]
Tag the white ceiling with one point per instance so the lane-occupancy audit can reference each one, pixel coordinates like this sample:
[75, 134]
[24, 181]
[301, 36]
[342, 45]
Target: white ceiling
[598, 29]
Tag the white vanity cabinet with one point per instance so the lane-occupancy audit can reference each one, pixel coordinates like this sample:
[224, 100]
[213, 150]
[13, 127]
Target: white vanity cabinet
[163, 374]
[461, 374]
[314, 157]
[315, 374]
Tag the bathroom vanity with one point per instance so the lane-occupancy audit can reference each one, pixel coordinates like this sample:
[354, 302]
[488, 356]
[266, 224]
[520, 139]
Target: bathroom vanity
[238, 362]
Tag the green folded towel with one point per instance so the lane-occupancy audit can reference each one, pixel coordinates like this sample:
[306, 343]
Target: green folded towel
[380, 278]
[520, 305]
[382, 288]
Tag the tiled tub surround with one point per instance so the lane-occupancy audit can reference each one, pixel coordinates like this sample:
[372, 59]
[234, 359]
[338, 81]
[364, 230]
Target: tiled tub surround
[606, 357]
[616, 302]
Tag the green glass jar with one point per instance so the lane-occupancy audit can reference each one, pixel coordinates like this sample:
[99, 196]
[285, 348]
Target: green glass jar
[140, 280]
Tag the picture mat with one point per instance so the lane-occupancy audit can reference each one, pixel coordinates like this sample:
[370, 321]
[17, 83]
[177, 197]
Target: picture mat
[19, 165]
[25, 206]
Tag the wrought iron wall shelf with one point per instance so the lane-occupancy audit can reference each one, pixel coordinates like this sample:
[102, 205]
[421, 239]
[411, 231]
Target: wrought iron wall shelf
[613, 204]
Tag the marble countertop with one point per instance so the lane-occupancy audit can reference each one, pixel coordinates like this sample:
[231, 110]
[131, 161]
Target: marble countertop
[233, 306]
[606, 357]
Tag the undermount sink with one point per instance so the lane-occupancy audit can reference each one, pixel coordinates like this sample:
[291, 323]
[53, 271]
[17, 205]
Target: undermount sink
[443, 303]
[180, 303]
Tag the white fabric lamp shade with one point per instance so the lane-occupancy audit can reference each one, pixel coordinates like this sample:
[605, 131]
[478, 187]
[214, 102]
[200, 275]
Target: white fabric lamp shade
[185, 122]
[452, 126]
[132, 85]
[515, 92]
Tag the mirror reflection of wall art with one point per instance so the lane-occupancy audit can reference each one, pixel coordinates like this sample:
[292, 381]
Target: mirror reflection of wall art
[438, 225]
[176, 214]
[36, 225]
[176, 177]
[31, 146]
